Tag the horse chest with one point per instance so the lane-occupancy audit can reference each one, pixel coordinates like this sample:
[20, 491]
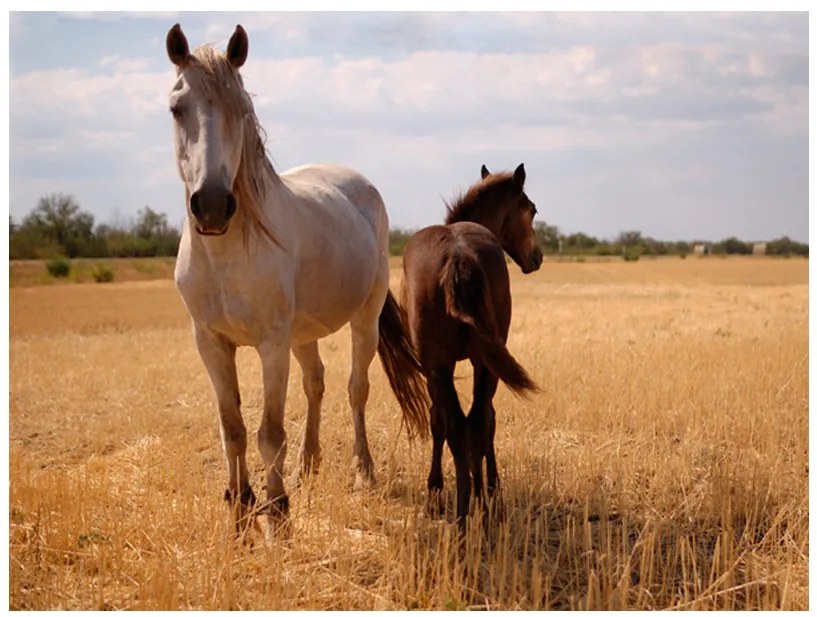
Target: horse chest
[244, 311]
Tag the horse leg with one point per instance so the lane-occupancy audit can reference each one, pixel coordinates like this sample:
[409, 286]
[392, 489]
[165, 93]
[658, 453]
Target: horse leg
[443, 393]
[271, 434]
[218, 356]
[364, 347]
[435, 476]
[476, 445]
[485, 385]
[313, 384]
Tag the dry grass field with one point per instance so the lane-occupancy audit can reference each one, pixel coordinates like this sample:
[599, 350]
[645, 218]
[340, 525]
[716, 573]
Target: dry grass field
[663, 465]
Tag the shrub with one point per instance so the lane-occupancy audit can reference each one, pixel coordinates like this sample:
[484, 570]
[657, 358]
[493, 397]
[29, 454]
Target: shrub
[58, 267]
[631, 254]
[102, 274]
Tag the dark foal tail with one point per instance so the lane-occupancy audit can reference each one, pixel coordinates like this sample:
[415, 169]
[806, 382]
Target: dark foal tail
[467, 300]
[402, 367]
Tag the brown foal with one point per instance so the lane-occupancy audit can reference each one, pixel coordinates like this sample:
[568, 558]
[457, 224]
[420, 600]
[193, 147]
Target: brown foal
[456, 294]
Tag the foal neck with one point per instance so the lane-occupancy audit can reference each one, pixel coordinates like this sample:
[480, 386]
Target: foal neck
[479, 205]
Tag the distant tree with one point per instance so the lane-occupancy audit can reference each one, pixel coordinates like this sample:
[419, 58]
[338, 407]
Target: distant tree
[733, 246]
[651, 246]
[580, 243]
[547, 236]
[58, 217]
[629, 239]
[679, 248]
[398, 238]
[150, 223]
[786, 246]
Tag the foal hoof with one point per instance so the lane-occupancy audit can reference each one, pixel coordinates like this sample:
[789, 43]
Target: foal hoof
[435, 506]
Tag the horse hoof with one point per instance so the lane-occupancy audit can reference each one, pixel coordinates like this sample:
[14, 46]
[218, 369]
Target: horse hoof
[308, 465]
[279, 526]
[364, 481]
[241, 510]
[364, 474]
[435, 508]
[247, 497]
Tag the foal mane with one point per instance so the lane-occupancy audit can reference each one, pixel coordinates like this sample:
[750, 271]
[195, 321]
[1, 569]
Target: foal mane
[464, 207]
[223, 84]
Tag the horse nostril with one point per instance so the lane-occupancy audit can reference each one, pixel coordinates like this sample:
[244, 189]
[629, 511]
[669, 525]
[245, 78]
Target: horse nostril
[195, 208]
[230, 205]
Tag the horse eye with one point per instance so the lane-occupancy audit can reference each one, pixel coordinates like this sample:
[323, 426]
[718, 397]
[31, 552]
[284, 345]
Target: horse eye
[177, 112]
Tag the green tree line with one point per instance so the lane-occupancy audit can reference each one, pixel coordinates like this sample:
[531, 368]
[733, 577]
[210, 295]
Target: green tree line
[58, 227]
[633, 243]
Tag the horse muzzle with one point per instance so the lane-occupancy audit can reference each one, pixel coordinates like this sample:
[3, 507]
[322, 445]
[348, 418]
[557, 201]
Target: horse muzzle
[534, 261]
[212, 209]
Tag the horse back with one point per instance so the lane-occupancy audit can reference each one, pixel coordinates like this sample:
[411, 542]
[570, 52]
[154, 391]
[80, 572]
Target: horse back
[314, 183]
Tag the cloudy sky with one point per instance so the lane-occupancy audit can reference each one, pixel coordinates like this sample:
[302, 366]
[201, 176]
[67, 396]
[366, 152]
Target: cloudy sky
[680, 125]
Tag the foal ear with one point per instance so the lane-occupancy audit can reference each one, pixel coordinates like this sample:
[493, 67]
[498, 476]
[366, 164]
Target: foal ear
[238, 47]
[484, 171]
[519, 175]
[177, 49]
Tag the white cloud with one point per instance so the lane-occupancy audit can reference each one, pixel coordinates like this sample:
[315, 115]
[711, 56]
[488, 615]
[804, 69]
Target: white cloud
[124, 65]
[421, 121]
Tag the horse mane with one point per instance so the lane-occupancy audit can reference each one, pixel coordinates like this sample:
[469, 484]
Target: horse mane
[464, 207]
[223, 84]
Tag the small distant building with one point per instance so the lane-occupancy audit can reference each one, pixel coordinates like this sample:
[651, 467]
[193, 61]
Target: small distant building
[702, 249]
[759, 248]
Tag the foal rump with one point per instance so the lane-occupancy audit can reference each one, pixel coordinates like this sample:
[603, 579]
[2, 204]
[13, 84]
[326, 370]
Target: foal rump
[468, 300]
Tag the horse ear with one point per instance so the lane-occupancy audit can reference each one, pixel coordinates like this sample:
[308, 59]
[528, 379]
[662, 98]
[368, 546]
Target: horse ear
[484, 171]
[238, 47]
[177, 49]
[519, 175]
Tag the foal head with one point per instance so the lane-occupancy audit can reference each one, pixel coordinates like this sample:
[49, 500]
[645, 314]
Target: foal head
[499, 202]
[219, 148]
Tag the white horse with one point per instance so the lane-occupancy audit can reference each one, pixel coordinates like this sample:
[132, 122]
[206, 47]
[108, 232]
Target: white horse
[278, 262]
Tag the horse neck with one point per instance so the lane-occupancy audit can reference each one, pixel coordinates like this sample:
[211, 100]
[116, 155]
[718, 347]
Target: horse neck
[488, 214]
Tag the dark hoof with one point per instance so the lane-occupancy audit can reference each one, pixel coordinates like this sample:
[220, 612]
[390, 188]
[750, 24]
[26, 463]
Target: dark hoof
[435, 506]
[279, 524]
[247, 497]
[241, 507]
[277, 507]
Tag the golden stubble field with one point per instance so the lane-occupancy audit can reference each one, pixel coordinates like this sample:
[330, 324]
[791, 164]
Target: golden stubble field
[663, 465]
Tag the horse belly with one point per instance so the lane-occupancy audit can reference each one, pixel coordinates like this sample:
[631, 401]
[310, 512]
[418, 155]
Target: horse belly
[329, 297]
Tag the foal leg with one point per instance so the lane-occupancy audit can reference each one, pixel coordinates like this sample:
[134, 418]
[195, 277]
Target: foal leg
[218, 356]
[444, 395]
[271, 434]
[476, 444]
[435, 476]
[313, 384]
[485, 385]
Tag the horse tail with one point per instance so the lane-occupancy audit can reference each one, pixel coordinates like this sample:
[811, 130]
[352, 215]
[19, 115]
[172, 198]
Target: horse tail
[402, 367]
[467, 300]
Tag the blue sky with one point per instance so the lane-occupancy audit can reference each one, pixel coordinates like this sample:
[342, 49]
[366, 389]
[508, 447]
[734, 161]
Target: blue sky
[680, 125]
